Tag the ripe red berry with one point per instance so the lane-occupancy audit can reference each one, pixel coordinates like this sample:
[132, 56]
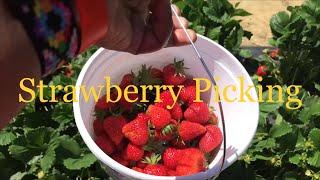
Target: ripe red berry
[190, 130]
[174, 73]
[211, 140]
[262, 71]
[192, 161]
[127, 80]
[137, 130]
[103, 105]
[117, 157]
[156, 73]
[160, 117]
[98, 127]
[171, 172]
[137, 169]
[189, 82]
[197, 112]
[134, 152]
[166, 99]
[141, 165]
[163, 137]
[274, 53]
[155, 169]
[105, 144]
[188, 94]
[176, 112]
[113, 127]
[126, 105]
[170, 157]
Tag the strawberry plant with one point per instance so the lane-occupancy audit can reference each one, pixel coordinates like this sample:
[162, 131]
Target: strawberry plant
[43, 141]
[217, 20]
[297, 35]
[287, 143]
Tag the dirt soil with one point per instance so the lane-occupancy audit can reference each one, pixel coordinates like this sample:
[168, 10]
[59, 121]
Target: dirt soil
[258, 22]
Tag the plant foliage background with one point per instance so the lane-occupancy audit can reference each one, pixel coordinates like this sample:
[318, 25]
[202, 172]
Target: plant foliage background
[43, 141]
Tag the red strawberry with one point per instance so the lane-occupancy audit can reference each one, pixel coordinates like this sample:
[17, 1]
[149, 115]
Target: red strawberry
[170, 157]
[192, 161]
[113, 127]
[119, 159]
[137, 130]
[141, 164]
[156, 73]
[126, 105]
[174, 73]
[163, 137]
[127, 80]
[189, 82]
[274, 53]
[134, 152]
[262, 71]
[176, 112]
[137, 169]
[188, 94]
[211, 140]
[98, 127]
[155, 169]
[190, 130]
[105, 144]
[103, 105]
[171, 172]
[197, 112]
[166, 99]
[160, 117]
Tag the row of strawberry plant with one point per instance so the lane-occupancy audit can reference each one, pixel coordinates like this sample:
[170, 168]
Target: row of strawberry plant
[287, 143]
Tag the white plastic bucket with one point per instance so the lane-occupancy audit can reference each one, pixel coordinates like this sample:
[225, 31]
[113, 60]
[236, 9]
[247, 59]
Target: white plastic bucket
[241, 118]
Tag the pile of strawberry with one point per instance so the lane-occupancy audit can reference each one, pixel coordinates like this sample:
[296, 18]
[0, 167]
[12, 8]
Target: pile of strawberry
[152, 139]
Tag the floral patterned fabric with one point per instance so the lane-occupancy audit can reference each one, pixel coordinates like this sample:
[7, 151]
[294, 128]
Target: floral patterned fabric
[52, 28]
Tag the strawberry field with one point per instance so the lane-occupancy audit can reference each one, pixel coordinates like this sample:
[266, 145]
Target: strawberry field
[43, 141]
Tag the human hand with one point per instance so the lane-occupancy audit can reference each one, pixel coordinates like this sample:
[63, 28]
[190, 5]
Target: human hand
[141, 26]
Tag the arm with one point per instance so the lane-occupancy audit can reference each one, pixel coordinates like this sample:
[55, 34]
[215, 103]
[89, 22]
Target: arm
[128, 31]
[18, 59]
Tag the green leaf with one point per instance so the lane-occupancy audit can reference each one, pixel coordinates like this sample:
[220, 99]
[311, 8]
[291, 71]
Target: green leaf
[245, 53]
[214, 33]
[295, 159]
[63, 113]
[270, 106]
[315, 160]
[317, 86]
[279, 22]
[39, 136]
[48, 160]
[200, 29]
[71, 145]
[241, 12]
[267, 144]
[290, 175]
[18, 176]
[2, 156]
[281, 129]
[261, 157]
[19, 152]
[83, 162]
[314, 136]
[6, 138]
[311, 108]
